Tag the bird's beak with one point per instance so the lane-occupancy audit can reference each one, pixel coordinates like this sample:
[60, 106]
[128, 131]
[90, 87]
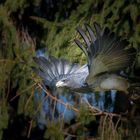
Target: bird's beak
[60, 84]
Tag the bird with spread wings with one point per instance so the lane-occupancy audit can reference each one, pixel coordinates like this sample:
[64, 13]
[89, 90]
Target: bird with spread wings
[107, 55]
[53, 71]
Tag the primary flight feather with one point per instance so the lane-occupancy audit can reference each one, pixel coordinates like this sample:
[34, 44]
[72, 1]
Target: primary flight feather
[106, 55]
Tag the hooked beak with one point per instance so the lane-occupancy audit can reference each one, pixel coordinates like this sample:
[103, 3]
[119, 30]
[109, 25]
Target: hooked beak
[60, 84]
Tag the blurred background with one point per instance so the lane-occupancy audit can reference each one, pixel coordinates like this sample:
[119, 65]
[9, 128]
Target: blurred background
[31, 28]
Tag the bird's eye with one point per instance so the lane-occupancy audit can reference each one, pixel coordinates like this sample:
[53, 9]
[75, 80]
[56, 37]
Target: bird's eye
[64, 80]
[85, 84]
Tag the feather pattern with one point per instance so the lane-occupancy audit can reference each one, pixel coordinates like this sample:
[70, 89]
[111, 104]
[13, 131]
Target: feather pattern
[105, 52]
[51, 69]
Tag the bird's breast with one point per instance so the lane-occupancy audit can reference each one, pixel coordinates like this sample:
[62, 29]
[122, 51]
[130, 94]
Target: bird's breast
[114, 82]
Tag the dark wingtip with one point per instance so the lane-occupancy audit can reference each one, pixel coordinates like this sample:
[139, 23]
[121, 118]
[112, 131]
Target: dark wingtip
[91, 33]
[96, 25]
[77, 41]
[97, 28]
[87, 25]
[81, 46]
[77, 28]
[81, 31]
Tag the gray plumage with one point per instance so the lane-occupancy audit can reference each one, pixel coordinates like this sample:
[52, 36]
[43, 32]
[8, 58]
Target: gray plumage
[53, 70]
[106, 55]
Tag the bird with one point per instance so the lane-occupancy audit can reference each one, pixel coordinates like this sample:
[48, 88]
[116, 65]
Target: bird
[52, 70]
[58, 71]
[107, 56]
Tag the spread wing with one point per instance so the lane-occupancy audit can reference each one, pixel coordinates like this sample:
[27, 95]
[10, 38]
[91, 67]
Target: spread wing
[52, 70]
[104, 51]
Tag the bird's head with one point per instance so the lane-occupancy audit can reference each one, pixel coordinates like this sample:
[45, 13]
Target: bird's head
[71, 81]
[65, 82]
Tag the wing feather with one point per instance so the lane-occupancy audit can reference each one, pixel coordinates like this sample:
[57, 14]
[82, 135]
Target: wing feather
[106, 52]
[51, 69]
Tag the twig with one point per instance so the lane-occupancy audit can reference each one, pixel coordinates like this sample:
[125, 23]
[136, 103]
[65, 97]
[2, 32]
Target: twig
[18, 94]
[39, 106]
[104, 121]
[58, 100]
[30, 127]
[31, 96]
[97, 111]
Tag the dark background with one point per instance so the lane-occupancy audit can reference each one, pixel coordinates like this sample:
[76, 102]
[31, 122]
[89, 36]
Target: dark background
[29, 25]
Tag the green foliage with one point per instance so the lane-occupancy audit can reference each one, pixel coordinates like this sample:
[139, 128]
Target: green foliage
[54, 131]
[17, 49]
[120, 16]
[16, 52]
[120, 130]
[107, 129]
[8, 31]
[14, 5]
[85, 116]
[3, 115]
[59, 34]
